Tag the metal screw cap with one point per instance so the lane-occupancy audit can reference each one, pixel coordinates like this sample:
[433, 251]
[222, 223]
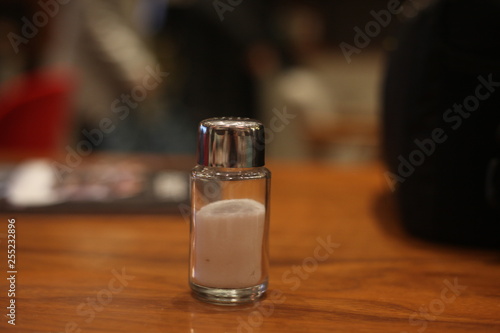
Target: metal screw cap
[231, 143]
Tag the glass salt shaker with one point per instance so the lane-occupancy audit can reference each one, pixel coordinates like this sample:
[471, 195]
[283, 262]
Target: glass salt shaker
[229, 256]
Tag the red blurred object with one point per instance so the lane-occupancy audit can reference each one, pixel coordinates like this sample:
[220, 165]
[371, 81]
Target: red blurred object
[35, 112]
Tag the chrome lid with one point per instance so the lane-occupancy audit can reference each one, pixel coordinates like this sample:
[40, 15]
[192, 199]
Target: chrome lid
[231, 143]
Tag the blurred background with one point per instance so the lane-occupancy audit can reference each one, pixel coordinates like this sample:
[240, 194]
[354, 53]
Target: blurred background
[138, 75]
[335, 82]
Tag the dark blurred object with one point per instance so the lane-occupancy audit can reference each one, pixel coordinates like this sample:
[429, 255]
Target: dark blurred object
[452, 194]
[209, 76]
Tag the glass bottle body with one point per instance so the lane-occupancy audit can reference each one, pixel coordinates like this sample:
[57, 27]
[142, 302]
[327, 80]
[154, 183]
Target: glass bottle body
[229, 256]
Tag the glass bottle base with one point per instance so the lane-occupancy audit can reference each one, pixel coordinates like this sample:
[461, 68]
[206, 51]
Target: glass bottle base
[228, 296]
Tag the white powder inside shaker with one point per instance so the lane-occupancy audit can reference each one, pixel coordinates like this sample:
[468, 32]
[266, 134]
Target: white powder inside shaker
[228, 239]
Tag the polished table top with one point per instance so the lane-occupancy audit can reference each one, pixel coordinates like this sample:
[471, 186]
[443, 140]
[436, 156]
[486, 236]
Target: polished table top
[339, 263]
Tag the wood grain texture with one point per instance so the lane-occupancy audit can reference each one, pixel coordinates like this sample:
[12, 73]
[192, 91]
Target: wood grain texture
[374, 278]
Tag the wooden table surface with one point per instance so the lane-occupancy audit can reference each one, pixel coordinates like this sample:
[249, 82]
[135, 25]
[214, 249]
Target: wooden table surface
[339, 263]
